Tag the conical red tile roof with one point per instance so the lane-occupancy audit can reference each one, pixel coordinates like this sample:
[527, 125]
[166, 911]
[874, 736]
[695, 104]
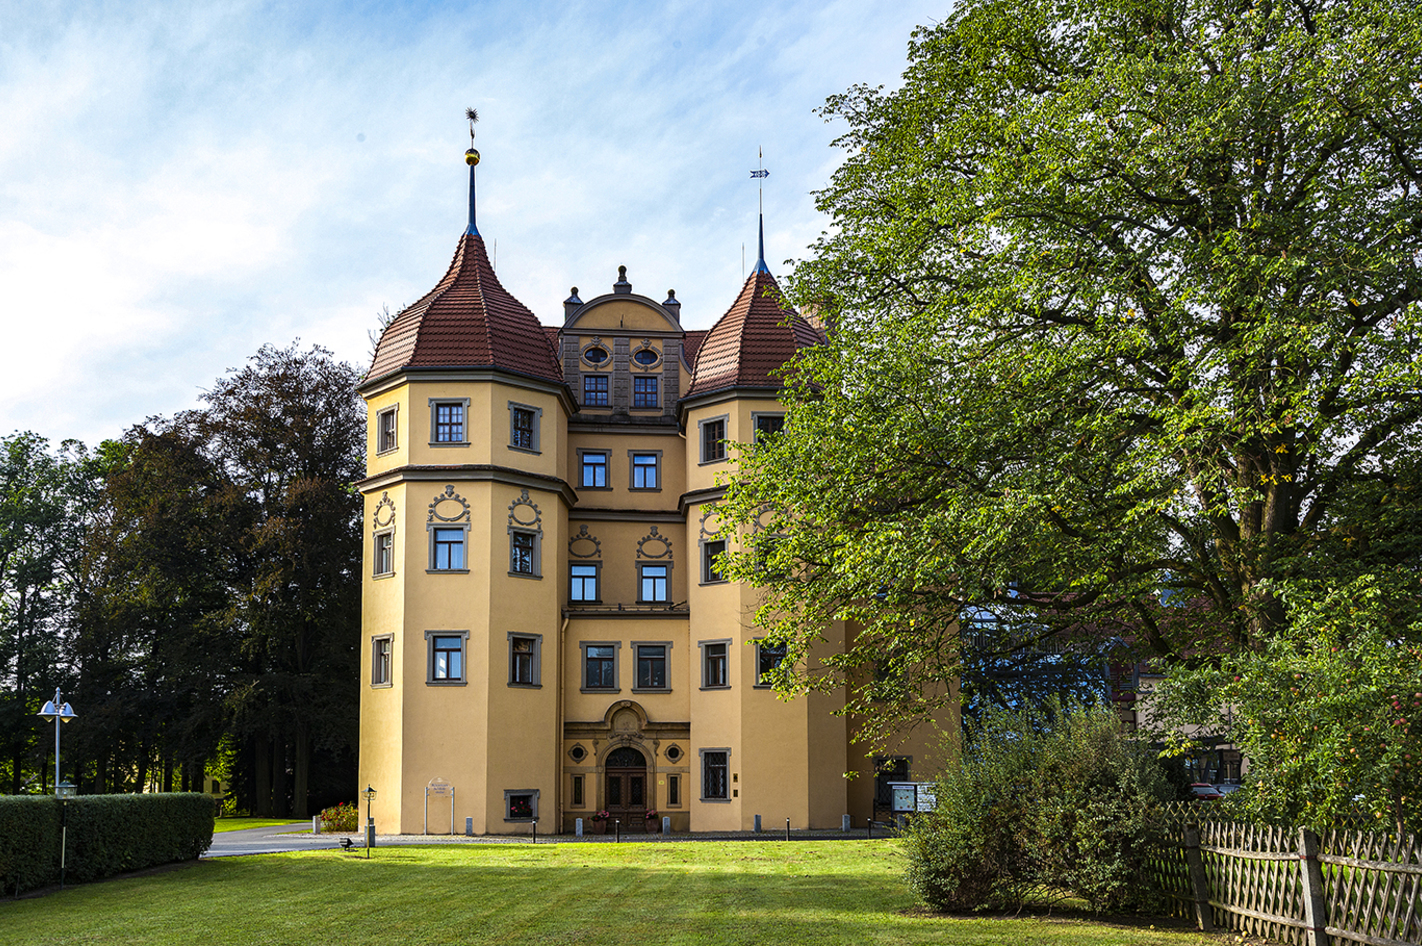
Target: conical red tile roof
[468, 320]
[756, 336]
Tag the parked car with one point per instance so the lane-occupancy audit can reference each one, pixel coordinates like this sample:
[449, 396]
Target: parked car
[1204, 791]
[1227, 788]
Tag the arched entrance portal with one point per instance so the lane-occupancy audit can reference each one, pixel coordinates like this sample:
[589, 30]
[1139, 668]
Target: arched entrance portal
[625, 784]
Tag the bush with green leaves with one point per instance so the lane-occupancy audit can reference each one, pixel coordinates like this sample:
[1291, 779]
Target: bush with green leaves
[342, 817]
[1047, 802]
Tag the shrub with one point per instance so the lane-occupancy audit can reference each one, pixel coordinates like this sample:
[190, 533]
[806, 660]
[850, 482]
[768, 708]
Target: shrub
[342, 817]
[107, 835]
[1048, 799]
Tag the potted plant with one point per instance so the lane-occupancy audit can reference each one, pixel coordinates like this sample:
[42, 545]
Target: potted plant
[654, 821]
[599, 822]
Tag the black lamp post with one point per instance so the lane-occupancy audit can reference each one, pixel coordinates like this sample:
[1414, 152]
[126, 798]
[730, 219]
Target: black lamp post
[369, 794]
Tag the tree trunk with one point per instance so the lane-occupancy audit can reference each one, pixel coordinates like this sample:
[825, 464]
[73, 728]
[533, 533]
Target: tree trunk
[262, 766]
[301, 765]
[167, 773]
[280, 805]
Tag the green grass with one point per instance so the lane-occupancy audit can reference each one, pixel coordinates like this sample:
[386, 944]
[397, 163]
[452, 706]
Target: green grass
[237, 824]
[760, 893]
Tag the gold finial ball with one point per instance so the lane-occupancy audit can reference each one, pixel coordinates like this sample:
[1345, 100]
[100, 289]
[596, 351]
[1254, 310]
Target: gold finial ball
[471, 157]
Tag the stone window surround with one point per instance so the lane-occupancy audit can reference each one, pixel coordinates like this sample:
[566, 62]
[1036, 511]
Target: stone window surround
[636, 657]
[616, 667]
[706, 563]
[725, 420]
[537, 427]
[430, 679]
[654, 563]
[435, 402]
[393, 411]
[387, 532]
[508, 795]
[375, 680]
[537, 573]
[537, 639]
[607, 455]
[702, 645]
[632, 470]
[597, 583]
[430, 527]
[758, 684]
[702, 755]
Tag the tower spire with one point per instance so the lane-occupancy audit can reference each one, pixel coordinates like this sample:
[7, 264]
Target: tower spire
[471, 158]
[761, 173]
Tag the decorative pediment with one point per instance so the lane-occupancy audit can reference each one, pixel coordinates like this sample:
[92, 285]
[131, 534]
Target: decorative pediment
[654, 545]
[449, 506]
[710, 522]
[384, 515]
[524, 514]
[584, 544]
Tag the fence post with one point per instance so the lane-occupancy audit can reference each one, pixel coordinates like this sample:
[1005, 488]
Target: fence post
[1311, 874]
[1199, 882]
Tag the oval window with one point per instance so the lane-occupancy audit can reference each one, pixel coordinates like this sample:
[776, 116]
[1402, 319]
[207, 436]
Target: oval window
[595, 355]
[646, 356]
[673, 753]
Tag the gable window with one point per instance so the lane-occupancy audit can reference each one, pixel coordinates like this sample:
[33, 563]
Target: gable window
[713, 664]
[523, 552]
[651, 666]
[767, 657]
[447, 550]
[646, 357]
[385, 553]
[652, 583]
[448, 422]
[600, 666]
[715, 781]
[582, 582]
[380, 661]
[709, 571]
[644, 391]
[524, 654]
[594, 470]
[595, 355]
[644, 470]
[768, 425]
[523, 427]
[386, 436]
[713, 440]
[594, 390]
[446, 653]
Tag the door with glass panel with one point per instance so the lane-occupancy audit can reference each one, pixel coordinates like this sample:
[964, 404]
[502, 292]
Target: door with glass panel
[625, 788]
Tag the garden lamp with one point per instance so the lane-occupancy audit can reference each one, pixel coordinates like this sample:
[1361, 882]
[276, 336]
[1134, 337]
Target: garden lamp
[60, 712]
[369, 794]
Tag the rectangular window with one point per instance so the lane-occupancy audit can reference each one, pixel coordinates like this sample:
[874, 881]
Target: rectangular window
[767, 658]
[520, 805]
[449, 422]
[523, 428]
[595, 390]
[523, 550]
[713, 440]
[385, 553]
[709, 550]
[446, 658]
[673, 791]
[715, 782]
[523, 659]
[767, 425]
[594, 470]
[653, 583]
[582, 582]
[577, 791]
[713, 665]
[386, 438]
[600, 667]
[448, 553]
[644, 471]
[380, 662]
[644, 391]
[651, 666]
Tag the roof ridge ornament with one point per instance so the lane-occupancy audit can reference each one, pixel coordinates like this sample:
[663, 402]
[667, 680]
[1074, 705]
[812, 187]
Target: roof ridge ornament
[622, 285]
[760, 175]
[471, 158]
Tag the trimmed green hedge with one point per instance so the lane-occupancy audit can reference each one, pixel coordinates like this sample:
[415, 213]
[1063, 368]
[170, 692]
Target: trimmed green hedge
[108, 834]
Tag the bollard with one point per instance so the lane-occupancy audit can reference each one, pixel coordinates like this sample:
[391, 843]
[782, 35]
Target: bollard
[787, 829]
[617, 830]
[369, 836]
[757, 824]
[577, 827]
[870, 825]
[469, 827]
[315, 824]
[845, 824]
[666, 824]
[535, 830]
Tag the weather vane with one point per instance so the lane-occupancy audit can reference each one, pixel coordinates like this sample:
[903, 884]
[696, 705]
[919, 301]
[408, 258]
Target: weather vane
[471, 157]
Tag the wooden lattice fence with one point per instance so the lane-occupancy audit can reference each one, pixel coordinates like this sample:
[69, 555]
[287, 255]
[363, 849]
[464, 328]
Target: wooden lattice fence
[1293, 886]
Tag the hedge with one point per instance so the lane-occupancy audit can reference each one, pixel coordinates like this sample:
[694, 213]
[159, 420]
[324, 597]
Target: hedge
[107, 835]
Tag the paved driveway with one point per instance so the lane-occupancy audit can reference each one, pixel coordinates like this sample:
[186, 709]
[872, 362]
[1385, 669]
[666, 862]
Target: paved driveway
[269, 841]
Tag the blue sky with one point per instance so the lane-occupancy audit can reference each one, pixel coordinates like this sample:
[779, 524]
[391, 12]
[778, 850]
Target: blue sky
[181, 183]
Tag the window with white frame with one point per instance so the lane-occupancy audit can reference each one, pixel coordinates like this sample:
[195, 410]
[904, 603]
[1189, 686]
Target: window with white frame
[645, 469]
[386, 431]
[653, 583]
[713, 439]
[582, 582]
[449, 422]
[525, 653]
[523, 427]
[446, 656]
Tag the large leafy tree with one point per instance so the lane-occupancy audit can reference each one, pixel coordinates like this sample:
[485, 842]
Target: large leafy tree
[1125, 304]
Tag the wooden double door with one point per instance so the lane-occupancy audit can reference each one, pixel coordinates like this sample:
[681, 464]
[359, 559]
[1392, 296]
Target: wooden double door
[625, 788]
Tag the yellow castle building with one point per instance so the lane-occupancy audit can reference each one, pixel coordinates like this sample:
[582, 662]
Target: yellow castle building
[546, 634]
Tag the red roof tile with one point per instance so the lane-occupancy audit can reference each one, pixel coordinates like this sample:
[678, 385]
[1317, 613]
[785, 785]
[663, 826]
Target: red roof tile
[690, 344]
[467, 320]
[756, 336]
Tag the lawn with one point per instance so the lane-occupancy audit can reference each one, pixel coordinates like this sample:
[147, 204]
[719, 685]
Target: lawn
[237, 824]
[760, 893]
